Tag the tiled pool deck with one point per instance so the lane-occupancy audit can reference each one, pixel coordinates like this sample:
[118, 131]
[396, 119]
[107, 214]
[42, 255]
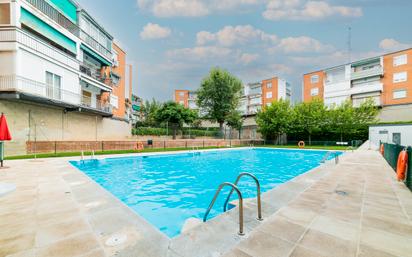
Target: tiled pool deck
[355, 208]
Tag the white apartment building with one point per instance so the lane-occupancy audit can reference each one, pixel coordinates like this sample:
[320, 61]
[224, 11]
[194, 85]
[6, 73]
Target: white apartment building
[56, 71]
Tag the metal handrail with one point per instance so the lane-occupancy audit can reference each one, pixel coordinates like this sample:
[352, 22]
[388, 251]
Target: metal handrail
[259, 205]
[325, 158]
[240, 204]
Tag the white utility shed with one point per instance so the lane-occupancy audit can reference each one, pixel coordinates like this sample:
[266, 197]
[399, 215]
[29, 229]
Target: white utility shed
[390, 133]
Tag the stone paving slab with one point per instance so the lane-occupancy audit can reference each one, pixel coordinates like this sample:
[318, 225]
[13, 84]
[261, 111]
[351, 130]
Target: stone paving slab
[356, 208]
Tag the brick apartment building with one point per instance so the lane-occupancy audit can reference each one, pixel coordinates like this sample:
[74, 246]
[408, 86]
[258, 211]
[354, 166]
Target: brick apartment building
[387, 79]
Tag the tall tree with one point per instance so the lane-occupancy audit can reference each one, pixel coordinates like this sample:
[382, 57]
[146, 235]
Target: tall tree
[310, 117]
[219, 95]
[275, 120]
[176, 115]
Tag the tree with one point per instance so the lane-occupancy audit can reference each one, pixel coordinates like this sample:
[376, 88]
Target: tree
[219, 95]
[235, 121]
[310, 117]
[176, 115]
[342, 119]
[346, 119]
[149, 110]
[275, 120]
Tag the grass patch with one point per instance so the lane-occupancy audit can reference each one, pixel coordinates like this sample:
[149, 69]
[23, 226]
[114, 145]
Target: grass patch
[73, 154]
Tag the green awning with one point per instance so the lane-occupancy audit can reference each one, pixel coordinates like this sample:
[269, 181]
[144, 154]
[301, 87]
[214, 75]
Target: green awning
[46, 30]
[95, 55]
[67, 7]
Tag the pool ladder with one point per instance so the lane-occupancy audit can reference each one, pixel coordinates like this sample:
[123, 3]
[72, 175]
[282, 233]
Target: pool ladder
[325, 158]
[239, 193]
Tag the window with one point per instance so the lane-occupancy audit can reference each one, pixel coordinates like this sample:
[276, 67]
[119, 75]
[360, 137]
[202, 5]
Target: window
[269, 85]
[182, 94]
[400, 60]
[114, 101]
[399, 94]
[5, 14]
[269, 95]
[314, 91]
[396, 138]
[314, 79]
[400, 77]
[53, 85]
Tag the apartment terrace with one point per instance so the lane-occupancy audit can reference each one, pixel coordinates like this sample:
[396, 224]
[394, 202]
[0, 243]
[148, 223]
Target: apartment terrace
[14, 87]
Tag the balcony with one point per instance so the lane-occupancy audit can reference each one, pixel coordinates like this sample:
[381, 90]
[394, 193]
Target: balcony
[21, 88]
[376, 71]
[44, 7]
[98, 105]
[95, 45]
[91, 72]
[366, 88]
[18, 36]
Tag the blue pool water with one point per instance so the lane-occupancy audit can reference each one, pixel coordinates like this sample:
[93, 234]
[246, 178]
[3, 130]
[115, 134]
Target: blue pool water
[168, 189]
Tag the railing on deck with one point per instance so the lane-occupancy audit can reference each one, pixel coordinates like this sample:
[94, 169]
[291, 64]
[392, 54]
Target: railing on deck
[24, 38]
[55, 15]
[96, 45]
[24, 85]
[391, 154]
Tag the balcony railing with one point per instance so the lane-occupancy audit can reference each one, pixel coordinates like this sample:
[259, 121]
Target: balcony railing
[24, 38]
[66, 23]
[91, 72]
[98, 105]
[96, 45]
[55, 15]
[376, 71]
[13, 83]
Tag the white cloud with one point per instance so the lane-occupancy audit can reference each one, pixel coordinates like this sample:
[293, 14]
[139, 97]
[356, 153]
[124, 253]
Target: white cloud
[191, 8]
[155, 31]
[172, 8]
[248, 58]
[239, 35]
[390, 44]
[301, 44]
[307, 10]
[199, 52]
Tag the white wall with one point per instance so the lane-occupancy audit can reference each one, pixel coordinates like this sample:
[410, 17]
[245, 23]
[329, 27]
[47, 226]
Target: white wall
[33, 67]
[282, 89]
[384, 134]
[337, 85]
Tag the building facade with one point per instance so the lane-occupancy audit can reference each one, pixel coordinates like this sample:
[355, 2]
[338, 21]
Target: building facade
[386, 79]
[254, 95]
[60, 72]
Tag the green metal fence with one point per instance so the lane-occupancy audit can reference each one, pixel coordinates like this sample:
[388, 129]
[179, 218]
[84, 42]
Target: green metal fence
[391, 155]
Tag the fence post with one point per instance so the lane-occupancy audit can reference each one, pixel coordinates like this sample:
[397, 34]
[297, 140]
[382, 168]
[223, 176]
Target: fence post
[102, 146]
[55, 147]
[164, 144]
[186, 144]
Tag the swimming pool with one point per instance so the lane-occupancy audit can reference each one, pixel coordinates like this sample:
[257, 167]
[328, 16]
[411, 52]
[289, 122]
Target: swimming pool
[168, 189]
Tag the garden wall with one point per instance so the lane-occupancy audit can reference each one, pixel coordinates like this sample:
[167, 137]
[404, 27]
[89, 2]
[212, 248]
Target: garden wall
[78, 146]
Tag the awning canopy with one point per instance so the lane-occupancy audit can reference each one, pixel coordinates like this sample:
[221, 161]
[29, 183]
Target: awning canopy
[95, 55]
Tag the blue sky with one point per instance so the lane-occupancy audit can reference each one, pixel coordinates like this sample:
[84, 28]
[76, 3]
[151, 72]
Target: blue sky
[174, 43]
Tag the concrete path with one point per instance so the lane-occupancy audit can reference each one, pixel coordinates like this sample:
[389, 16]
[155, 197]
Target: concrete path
[357, 209]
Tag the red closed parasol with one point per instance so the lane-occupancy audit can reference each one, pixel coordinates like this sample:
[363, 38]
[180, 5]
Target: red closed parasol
[4, 129]
[4, 136]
